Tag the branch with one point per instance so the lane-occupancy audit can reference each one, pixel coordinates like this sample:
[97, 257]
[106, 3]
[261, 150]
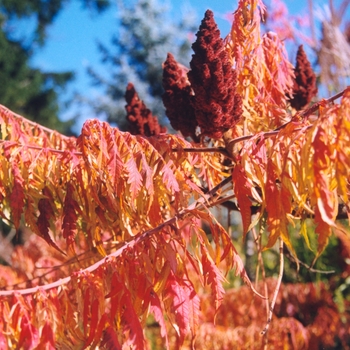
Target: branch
[221, 150]
[296, 260]
[313, 108]
[136, 240]
[254, 209]
[279, 281]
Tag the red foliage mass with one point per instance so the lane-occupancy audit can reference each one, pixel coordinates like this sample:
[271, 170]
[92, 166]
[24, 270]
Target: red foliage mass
[305, 317]
[177, 98]
[142, 122]
[304, 88]
[217, 105]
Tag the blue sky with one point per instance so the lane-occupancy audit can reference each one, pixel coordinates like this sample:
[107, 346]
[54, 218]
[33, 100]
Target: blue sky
[71, 43]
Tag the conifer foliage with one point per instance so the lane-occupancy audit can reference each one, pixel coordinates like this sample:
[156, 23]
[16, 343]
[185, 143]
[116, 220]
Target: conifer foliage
[126, 218]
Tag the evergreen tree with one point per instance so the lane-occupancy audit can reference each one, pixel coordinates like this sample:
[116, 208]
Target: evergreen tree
[146, 34]
[26, 90]
[43, 12]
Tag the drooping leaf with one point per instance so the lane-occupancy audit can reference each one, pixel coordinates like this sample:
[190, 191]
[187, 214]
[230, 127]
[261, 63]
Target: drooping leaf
[110, 339]
[70, 216]
[156, 310]
[46, 214]
[47, 338]
[93, 321]
[17, 196]
[242, 188]
[29, 335]
[214, 278]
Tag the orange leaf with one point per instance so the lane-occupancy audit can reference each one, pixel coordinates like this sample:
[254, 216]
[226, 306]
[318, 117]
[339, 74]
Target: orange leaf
[277, 207]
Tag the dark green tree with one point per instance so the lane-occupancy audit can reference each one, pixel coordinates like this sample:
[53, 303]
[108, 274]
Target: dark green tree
[146, 33]
[43, 12]
[24, 89]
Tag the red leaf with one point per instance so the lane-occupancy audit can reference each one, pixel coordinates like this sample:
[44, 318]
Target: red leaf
[46, 214]
[325, 197]
[184, 305]
[214, 278]
[132, 321]
[29, 336]
[110, 339]
[3, 340]
[242, 189]
[17, 196]
[69, 225]
[114, 295]
[47, 339]
[157, 311]
[134, 177]
[169, 177]
[93, 321]
[121, 299]
[104, 321]
[86, 313]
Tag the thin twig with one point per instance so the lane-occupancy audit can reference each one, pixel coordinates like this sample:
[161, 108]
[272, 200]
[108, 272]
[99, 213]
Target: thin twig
[315, 106]
[221, 150]
[260, 264]
[274, 298]
[291, 257]
[257, 239]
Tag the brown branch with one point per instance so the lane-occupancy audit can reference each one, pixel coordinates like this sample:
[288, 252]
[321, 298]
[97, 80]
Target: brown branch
[315, 106]
[221, 150]
[342, 210]
[297, 261]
